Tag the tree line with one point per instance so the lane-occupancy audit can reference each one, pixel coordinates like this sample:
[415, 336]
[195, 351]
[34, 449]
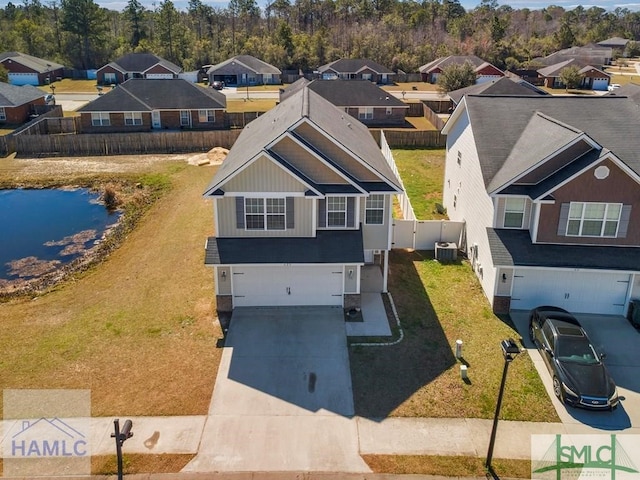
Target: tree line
[304, 34]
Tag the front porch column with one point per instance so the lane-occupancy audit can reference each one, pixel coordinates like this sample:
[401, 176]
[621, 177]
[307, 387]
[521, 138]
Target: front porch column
[385, 271]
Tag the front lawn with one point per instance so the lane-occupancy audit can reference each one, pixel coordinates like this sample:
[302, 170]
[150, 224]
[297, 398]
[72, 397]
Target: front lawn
[252, 105]
[68, 85]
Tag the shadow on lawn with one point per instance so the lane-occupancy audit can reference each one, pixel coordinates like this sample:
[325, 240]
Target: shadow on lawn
[385, 377]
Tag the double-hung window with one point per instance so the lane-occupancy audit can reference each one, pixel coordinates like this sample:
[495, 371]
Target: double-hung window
[374, 210]
[337, 212]
[185, 118]
[3, 115]
[514, 212]
[132, 118]
[109, 77]
[365, 113]
[265, 213]
[206, 116]
[100, 119]
[593, 219]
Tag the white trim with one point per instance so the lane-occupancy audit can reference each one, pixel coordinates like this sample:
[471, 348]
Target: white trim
[216, 227]
[263, 194]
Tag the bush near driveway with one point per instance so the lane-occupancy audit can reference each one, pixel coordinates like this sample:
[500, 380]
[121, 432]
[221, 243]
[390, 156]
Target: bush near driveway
[420, 377]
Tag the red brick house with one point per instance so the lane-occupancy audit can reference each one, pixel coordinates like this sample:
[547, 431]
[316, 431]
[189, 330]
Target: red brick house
[27, 70]
[484, 70]
[17, 103]
[136, 65]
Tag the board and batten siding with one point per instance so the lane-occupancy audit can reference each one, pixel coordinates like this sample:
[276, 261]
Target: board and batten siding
[473, 205]
[306, 162]
[227, 221]
[264, 176]
[376, 237]
[335, 153]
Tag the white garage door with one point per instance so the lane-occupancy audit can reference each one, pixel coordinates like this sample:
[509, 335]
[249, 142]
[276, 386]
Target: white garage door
[23, 78]
[600, 83]
[579, 292]
[159, 75]
[287, 285]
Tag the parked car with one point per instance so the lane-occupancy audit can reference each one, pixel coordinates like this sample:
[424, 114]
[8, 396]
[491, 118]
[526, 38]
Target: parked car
[217, 84]
[613, 86]
[580, 378]
[49, 99]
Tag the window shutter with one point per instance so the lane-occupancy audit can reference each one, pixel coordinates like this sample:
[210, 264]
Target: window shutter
[502, 202]
[290, 213]
[624, 221]
[322, 213]
[564, 218]
[240, 212]
[351, 212]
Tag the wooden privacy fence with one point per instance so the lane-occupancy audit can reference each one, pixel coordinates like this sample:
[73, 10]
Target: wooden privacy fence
[123, 143]
[411, 138]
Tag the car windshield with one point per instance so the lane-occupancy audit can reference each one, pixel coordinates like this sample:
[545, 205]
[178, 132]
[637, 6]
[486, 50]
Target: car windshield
[577, 350]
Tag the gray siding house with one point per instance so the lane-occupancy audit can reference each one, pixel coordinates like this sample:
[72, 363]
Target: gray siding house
[244, 70]
[301, 203]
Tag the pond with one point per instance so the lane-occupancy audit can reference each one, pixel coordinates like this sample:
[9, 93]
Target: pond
[42, 230]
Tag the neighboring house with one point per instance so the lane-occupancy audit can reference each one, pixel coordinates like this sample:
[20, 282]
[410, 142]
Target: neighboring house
[591, 54]
[136, 65]
[548, 187]
[303, 200]
[244, 70]
[502, 86]
[592, 78]
[27, 70]
[359, 98]
[615, 43]
[143, 105]
[356, 69]
[17, 102]
[484, 70]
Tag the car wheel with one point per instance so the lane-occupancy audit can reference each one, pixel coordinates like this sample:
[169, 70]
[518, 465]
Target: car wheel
[532, 335]
[557, 388]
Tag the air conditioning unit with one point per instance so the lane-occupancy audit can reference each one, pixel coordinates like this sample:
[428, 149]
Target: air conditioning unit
[446, 251]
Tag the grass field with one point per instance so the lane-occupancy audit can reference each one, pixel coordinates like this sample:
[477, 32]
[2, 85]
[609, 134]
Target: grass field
[251, 105]
[139, 329]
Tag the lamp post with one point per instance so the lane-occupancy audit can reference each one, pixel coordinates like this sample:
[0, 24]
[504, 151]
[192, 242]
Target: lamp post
[509, 350]
[121, 436]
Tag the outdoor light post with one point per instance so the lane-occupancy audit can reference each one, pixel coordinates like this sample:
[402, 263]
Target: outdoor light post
[509, 350]
[121, 436]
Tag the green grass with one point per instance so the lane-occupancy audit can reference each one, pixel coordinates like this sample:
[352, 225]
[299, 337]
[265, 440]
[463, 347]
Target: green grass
[420, 377]
[422, 173]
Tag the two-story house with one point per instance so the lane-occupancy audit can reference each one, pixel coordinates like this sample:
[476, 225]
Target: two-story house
[301, 203]
[549, 190]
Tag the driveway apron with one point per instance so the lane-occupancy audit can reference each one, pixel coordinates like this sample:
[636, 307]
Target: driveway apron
[283, 399]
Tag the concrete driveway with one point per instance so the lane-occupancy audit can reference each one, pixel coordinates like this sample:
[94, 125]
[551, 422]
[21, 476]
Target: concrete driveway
[283, 399]
[614, 336]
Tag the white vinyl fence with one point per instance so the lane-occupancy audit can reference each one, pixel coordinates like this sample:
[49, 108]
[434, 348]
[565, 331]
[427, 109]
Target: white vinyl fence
[411, 232]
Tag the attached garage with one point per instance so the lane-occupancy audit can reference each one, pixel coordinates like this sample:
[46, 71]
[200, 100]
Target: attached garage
[24, 79]
[288, 285]
[576, 291]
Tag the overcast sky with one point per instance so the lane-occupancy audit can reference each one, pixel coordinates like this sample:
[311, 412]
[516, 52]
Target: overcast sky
[633, 5]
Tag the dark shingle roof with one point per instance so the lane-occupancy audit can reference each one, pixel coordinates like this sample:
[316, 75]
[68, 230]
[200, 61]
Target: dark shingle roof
[14, 95]
[354, 65]
[499, 123]
[143, 95]
[141, 62]
[349, 93]
[501, 86]
[328, 246]
[514, 248]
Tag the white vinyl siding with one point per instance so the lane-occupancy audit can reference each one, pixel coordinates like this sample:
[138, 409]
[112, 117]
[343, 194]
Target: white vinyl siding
[132, 118]
[100, 119]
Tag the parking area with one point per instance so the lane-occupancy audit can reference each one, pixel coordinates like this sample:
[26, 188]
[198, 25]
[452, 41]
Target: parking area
[614, 336]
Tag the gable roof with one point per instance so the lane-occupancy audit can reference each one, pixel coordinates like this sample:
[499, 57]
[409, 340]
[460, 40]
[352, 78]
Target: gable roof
[304, 106]
[34, 63]
[14, 95]
[144, 95]
[354, 65]
[501, 86]
[347, 93]
[555, 69]
[517, 130]
[443, 62]
[251, 63]
[589, 54]
[141, 62]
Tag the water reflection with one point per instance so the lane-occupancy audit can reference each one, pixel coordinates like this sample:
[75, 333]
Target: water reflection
[42, 230]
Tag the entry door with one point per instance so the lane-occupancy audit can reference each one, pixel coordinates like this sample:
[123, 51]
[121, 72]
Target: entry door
[155, 119]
